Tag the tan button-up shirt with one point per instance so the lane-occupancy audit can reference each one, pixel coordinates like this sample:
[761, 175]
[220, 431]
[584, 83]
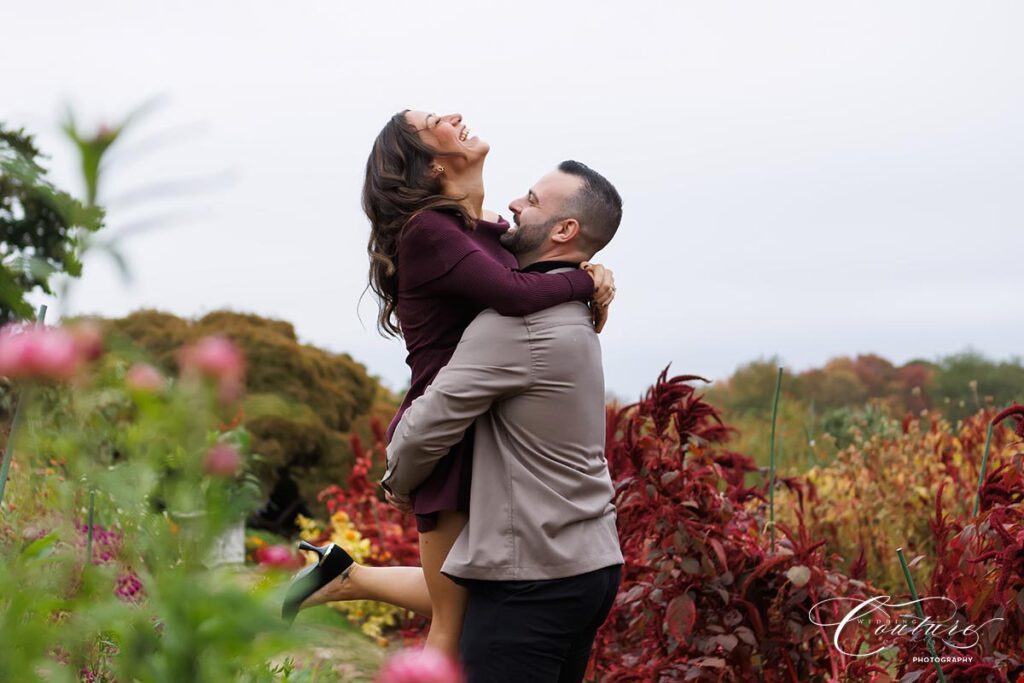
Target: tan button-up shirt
[541, 501]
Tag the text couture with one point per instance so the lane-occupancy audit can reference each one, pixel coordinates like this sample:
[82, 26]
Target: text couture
[902, 625]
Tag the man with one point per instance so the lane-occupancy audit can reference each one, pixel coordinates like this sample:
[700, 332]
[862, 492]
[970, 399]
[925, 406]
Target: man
[540, 554]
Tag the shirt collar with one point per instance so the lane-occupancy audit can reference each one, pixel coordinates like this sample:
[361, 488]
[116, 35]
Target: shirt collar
[545, 266]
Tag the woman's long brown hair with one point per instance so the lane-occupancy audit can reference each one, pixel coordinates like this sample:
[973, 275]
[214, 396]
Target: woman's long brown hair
[399, 184]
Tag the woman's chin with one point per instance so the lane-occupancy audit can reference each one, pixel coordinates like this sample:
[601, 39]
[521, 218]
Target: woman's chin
[475, 143]
[478, 149]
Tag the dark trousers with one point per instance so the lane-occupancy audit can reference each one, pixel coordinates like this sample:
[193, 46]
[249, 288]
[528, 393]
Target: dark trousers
[535, 631]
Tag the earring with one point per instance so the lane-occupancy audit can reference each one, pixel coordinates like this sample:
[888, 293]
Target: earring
[440, 170]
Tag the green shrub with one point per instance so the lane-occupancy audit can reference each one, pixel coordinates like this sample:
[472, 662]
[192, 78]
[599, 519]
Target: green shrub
[302, 401]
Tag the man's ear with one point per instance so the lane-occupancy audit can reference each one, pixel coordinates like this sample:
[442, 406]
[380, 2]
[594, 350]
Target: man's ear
[566, 231]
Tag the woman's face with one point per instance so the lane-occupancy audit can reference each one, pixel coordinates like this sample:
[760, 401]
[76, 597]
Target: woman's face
[449, 135]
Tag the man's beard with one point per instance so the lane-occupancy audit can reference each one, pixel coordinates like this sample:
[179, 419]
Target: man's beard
[527, 238]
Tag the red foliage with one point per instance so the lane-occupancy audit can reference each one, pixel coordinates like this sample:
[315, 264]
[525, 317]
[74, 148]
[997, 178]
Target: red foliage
[387, 529]
[980, 567]
[703, 597]
[1016, 412]
[391, 533]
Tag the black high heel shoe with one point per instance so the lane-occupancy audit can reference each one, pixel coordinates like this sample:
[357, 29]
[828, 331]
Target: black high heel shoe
[333, 562]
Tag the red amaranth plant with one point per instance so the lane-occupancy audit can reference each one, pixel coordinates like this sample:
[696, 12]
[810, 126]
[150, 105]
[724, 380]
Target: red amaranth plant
[703, 597]
[1015, 411]
[393, 538]
[980, 566]
[390, 532]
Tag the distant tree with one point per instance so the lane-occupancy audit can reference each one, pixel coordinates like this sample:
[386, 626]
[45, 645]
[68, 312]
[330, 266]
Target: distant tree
[41, 227]
[750, 389]
[967, 380]
[878, 375]
[835, 385]
[850, 398]
[914, 385]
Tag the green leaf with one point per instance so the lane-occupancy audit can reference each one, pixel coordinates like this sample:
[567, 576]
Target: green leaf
[12, 297]
[39, 548]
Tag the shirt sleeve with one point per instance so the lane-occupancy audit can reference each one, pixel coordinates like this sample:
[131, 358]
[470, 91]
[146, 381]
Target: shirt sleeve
[490, 363]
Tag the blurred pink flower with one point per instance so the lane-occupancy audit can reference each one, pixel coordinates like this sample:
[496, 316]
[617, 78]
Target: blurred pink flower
[38, 352]
[428, 665]
[88, 337]
[129, 587]
[277, 556]
[222, 461]
[216, 358]
[145, 378]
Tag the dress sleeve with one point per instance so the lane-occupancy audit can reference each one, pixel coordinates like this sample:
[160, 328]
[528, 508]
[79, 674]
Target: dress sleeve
[435, 252]
[431, 244]
[479, 277]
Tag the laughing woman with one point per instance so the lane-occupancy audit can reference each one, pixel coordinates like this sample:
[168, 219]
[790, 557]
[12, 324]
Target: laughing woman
[435, 262]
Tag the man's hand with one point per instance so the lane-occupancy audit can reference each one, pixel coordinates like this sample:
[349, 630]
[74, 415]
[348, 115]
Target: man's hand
[398, 502]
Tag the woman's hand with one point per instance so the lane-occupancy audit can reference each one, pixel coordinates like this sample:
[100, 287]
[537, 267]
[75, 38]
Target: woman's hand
[604, 283]
[604, 293]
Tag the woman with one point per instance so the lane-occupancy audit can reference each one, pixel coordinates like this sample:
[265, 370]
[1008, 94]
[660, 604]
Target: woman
[436, 262]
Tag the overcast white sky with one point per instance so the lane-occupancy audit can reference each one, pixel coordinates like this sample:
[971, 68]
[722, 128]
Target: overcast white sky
[805, 179]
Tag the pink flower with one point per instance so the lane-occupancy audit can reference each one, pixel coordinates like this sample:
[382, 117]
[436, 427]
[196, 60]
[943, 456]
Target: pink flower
[38, 352]
[144, 378]
[277, 556]
[428, 665]
[215, 358]
[222, 461]
[88, 337]
[129, 588]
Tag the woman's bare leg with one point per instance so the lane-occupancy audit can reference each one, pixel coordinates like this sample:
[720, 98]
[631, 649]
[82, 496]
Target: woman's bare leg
[424, 590]
[447, 597]
[404, 587]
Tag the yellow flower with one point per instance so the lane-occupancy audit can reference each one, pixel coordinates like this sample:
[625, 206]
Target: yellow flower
[340, 517]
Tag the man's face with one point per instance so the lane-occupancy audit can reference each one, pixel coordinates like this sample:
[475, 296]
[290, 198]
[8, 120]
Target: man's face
[538, 211]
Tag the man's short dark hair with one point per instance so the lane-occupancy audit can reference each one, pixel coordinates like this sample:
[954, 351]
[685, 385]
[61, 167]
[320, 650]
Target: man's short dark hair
[596, 205]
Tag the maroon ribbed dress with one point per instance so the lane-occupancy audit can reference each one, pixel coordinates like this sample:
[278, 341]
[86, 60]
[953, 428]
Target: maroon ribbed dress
[446, 276]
